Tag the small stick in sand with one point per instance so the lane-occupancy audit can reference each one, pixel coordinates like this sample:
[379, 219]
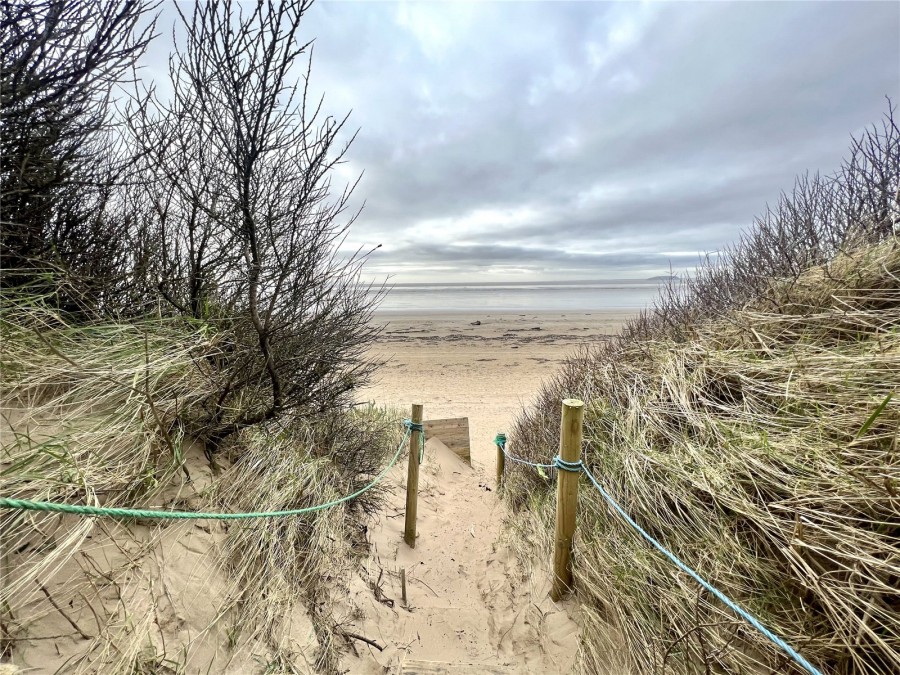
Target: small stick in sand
[403, 585]
[356, 636]
[59, 609]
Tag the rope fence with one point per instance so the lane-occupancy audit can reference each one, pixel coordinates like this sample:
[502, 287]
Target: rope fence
[107, 512]
[578, 467]
[415, 432]
[500, 441]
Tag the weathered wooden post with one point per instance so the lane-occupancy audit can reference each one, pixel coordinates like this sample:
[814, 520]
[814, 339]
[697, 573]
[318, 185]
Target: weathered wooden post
[412, 478]
[500, 440]
[566, 496]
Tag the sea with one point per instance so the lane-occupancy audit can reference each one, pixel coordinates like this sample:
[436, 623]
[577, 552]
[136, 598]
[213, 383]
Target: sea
[544, 296]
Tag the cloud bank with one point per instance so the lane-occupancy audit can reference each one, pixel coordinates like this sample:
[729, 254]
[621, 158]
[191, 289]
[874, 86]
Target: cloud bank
[550, 140]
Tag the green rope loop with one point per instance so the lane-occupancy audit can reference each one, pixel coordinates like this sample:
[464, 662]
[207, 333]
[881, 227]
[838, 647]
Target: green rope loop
[571, 467]
[420, 427]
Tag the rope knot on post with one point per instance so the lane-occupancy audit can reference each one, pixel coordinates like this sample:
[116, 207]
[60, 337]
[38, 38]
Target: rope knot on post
[571, 467]
[413, 426]
[420, 427]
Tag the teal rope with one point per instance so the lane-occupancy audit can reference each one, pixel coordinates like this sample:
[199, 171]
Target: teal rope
[744, 614]
[571, 467]
[500, 441]
[417, 426]
[53, 507]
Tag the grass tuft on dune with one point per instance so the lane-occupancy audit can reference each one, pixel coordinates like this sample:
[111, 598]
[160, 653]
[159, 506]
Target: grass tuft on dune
[100, 414]
[753, 431]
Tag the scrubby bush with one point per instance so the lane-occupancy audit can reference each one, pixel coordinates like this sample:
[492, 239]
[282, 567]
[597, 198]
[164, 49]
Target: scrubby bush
[62, 151]
[173, 278]
[821, 217]
[239, 207]
[214, 204]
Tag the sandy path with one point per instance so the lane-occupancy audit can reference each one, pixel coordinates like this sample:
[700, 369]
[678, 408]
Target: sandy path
[469, 602]
[466, 601]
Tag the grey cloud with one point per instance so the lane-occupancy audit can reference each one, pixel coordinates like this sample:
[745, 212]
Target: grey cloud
[684, 119]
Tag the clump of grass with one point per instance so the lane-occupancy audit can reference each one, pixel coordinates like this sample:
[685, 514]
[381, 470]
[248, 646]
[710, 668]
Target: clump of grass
[91, 415]
[275, 564]
[763, 452]
[100, 414]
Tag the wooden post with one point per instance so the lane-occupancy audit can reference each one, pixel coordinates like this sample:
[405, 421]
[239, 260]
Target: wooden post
[501, 459]
[566, 496]
[412, 478]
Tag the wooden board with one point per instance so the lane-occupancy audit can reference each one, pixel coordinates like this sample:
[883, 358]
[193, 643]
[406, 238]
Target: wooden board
[417, 667]
[453, 433]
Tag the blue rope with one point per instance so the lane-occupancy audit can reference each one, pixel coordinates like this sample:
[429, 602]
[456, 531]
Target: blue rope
[416, 426]
[749, 618]
[500, 441]
[578, 466]
[571, 467]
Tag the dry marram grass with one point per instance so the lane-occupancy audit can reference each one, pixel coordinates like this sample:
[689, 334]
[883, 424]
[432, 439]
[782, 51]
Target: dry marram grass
[763, 452]
[97, 414]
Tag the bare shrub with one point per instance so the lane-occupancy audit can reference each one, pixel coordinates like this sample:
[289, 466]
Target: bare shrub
[61, 156]
[246, 225]
[822, 216]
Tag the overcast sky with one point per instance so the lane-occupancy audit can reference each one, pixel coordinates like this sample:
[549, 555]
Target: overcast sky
[551, 140]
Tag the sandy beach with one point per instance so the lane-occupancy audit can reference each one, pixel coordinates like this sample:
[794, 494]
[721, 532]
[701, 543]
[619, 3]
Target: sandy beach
[485, 372]
[469, 602]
